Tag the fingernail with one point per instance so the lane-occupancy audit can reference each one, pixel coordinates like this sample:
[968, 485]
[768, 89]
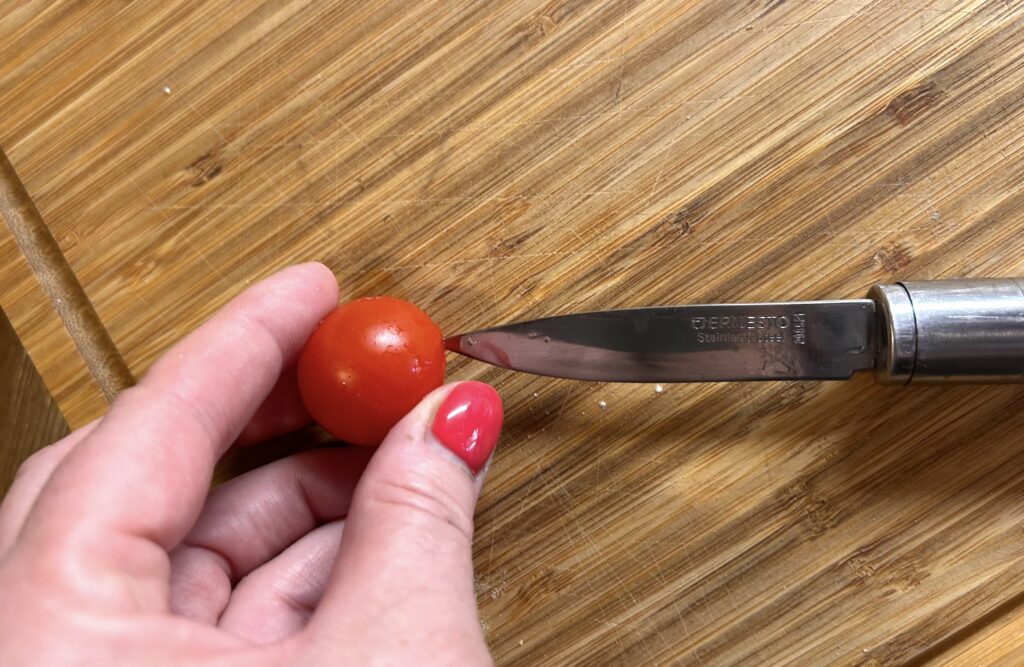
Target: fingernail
[469, 422]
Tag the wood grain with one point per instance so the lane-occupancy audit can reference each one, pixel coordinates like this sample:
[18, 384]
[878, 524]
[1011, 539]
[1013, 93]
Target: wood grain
[29, 418]
[509, 159]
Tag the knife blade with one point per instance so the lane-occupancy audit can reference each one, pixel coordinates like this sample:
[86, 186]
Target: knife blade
[942, 331]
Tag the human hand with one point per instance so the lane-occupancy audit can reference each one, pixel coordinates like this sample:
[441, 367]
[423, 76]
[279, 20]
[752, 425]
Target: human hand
[112, 551]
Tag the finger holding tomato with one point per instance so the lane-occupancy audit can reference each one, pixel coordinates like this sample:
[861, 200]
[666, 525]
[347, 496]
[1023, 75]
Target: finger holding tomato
[342, 555]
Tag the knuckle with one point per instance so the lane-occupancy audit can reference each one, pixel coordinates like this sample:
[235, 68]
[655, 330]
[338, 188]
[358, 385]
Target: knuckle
[422, 499]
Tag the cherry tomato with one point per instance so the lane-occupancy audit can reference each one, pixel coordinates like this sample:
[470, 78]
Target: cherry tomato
[369, 363]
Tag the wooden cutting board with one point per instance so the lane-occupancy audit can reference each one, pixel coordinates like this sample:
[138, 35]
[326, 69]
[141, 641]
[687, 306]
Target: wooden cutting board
[508, 159]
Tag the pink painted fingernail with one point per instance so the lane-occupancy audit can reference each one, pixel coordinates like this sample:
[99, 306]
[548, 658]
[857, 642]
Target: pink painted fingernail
[469, 423]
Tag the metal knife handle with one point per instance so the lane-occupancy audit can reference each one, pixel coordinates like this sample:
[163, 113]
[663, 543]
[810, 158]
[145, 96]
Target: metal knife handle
[950, 331]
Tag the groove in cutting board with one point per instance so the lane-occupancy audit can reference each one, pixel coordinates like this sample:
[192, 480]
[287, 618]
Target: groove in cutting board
[58, 279]
[936, 651]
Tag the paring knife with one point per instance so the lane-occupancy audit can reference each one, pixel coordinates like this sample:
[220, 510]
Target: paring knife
[931, 332]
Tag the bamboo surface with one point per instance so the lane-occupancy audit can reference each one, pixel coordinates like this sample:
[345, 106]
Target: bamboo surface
[509, 159]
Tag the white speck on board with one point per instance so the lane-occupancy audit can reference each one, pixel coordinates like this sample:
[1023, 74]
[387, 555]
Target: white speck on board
[658, 389]
[603, 404]
[167, 90]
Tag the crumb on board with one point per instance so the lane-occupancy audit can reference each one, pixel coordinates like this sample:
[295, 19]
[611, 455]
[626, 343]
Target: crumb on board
[493, 586]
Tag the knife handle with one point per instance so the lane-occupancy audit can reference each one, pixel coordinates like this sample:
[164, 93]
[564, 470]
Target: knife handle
[950, 331]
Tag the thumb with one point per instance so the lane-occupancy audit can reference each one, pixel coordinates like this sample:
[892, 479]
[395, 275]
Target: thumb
[404, 575]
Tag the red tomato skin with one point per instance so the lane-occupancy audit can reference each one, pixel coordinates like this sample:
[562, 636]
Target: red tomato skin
[369, 362]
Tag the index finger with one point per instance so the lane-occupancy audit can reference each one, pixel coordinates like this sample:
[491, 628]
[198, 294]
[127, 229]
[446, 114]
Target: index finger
[146, 469]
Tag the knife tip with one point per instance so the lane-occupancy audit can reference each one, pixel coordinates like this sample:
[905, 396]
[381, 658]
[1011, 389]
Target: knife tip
[453, 343]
